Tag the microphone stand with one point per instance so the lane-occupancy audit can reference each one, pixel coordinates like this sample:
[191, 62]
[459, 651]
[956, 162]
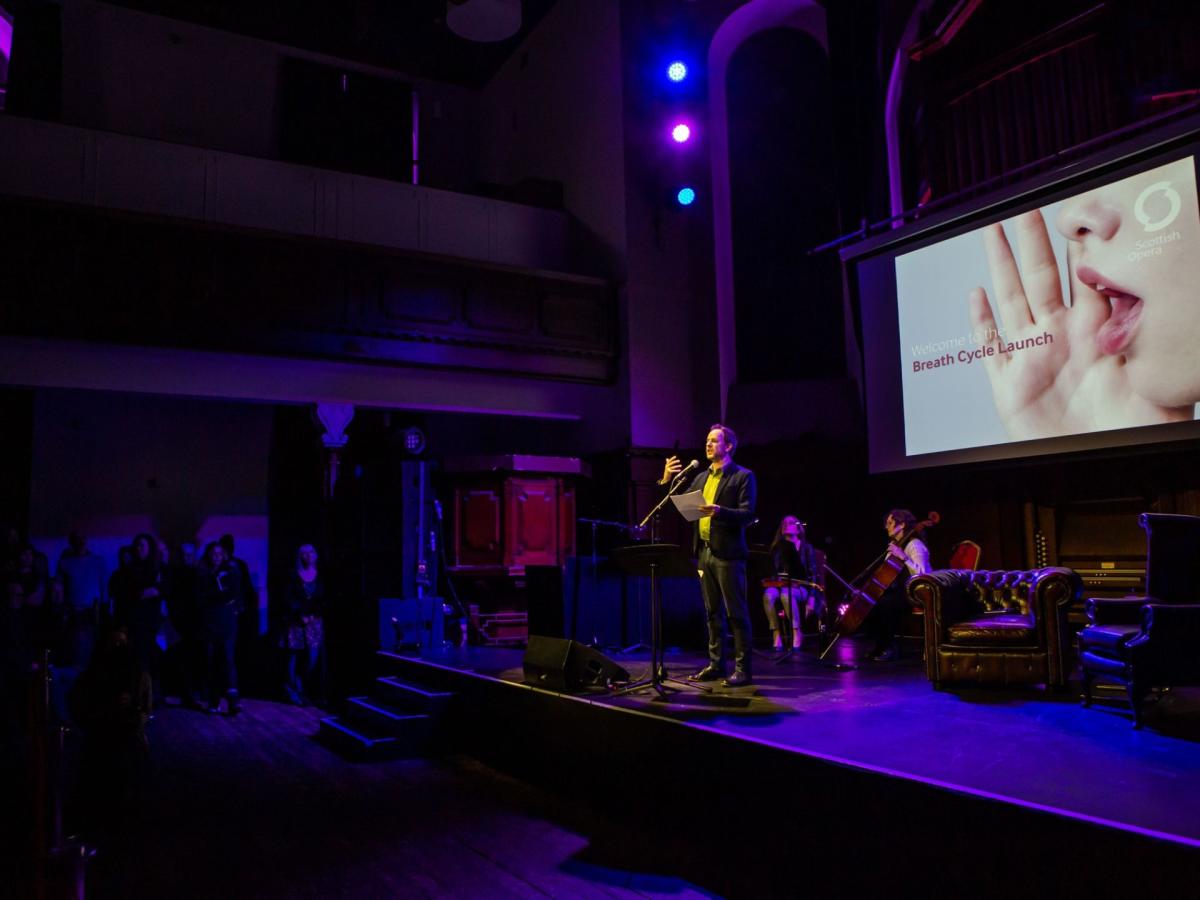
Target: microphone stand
[675, 483]
[659, 679]
[653, 520]
[595, 523]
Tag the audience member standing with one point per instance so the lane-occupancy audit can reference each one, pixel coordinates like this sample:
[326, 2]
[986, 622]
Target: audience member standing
[83, 578]
[248, 639]
[21, 631]
[10, 549]
[303, 630]
[26, 584]
[219, 592]
[116, 583]
[140, 594]
[29, 600]
[249, 600]
[12, 546]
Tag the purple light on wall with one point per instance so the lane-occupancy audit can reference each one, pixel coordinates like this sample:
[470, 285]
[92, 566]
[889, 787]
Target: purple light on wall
[6, 34]
[681, 133]
[416, 137]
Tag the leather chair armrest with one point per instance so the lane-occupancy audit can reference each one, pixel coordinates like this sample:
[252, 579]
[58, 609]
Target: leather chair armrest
[946, 595]
[1115, 610]
[1053, 589]
[1182, 620]
[1170, 637]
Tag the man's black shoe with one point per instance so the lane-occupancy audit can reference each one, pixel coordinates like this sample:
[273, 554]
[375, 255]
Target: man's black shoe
[887, 654]
[737, 679]
[708, 673]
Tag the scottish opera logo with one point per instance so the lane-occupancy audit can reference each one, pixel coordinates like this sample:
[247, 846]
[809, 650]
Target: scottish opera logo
[1173, 201]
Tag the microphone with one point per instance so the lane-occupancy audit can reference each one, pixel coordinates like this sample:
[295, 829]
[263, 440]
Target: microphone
[694, 464]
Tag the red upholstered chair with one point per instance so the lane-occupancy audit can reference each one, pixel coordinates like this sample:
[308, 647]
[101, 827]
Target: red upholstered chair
[964, 555]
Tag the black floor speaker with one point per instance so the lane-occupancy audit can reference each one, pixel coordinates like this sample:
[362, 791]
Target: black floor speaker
[564, 665]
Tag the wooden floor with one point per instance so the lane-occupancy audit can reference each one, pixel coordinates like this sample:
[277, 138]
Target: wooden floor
[253, 807]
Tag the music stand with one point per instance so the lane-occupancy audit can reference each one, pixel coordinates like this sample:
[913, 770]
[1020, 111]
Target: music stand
[652, 520]
[656, 561]
[596, 524]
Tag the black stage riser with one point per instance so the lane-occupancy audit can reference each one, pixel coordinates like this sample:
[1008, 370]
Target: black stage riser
[743, 818]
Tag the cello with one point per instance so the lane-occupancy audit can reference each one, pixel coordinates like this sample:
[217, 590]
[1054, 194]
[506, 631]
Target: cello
[871, 583]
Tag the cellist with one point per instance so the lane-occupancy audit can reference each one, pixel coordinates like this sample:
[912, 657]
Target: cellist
[884, 620]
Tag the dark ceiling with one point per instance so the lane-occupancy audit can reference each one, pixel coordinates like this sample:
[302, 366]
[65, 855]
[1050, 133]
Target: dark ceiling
[409, 36]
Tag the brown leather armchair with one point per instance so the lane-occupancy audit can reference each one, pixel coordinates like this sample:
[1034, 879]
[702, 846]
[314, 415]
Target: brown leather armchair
[995, 627]
[1151, 641]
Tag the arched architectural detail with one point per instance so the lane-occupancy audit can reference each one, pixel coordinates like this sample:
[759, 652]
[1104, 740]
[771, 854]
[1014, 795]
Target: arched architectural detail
[758, 15]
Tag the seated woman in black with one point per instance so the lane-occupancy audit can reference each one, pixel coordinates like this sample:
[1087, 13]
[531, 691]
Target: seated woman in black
[792, 558]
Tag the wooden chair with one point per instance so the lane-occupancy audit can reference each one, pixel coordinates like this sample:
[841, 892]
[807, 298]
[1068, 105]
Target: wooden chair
[820, 606]
[964, 555]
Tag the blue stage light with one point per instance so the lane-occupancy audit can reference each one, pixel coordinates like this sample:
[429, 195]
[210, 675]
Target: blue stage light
[686, 196]
[677, 71]
[414, 440]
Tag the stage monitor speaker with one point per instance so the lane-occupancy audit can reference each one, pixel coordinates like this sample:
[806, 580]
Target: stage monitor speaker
[563, 665]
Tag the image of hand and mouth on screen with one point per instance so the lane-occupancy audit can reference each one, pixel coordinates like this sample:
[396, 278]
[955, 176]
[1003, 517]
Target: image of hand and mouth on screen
[1080, 316]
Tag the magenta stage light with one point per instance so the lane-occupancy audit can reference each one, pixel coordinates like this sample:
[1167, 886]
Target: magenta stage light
[677, 71]
[681, 133]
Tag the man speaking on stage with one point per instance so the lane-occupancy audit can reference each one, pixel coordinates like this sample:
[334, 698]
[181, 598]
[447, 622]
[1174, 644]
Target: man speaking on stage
[719, 542]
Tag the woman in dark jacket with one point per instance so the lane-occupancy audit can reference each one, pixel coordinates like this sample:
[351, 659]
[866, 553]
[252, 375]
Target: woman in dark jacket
[792, 558]
[219, 598]
[26, 617]
[139, 594]
[302, 636]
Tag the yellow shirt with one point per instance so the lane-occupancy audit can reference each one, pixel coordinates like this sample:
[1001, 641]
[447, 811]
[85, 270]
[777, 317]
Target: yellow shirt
[710, 494]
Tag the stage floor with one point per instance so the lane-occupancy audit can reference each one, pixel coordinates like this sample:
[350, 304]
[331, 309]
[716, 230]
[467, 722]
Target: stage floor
[1022, 746]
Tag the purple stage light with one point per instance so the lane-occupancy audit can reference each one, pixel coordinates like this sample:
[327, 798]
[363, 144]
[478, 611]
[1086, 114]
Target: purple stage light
[681, 133]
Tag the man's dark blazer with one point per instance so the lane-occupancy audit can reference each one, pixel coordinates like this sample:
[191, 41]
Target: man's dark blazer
[735, 495]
